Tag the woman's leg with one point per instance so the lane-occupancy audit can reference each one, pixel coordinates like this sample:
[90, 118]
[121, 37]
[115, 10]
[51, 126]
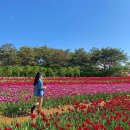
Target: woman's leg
[32, 109]
[39, 100]
[34, 106]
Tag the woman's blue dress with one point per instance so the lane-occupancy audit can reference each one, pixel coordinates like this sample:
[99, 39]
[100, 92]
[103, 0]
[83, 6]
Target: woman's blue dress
[39, 89]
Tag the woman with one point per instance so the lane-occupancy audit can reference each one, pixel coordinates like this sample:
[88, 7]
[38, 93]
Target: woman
[38, 92]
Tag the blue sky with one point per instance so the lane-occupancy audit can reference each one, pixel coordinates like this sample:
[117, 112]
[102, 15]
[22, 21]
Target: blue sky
[66, 24]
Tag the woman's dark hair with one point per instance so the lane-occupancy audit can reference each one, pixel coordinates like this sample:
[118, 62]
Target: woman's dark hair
[38, 75]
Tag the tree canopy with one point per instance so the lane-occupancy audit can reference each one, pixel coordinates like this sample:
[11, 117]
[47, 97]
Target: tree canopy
[97, 58]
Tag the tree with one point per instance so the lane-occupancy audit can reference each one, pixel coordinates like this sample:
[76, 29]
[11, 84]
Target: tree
[1, 71]
[43, 70]
[63, 71]
[106, 58]
[76, 71]
[17, 71]
[50, 57]
[80, 57]
[27, 56]
[8, 48]
[126, 68]
[70, 71]
[60, 58]
[27, 70]
[50, 72]
[8, 55]
[44, 56]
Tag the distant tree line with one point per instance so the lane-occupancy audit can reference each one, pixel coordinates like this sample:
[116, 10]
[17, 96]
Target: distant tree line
[26, 61]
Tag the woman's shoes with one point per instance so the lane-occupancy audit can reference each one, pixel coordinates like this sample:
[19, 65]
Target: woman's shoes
[32, 109]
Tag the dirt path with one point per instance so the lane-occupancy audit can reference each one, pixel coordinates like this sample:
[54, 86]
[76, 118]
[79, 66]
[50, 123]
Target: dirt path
[49, 111]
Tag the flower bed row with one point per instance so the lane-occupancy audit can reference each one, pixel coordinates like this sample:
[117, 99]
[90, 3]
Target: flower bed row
[112, 115]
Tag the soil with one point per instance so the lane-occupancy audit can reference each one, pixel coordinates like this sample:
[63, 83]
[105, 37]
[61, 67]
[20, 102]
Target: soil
[48, 111]
[59, 109]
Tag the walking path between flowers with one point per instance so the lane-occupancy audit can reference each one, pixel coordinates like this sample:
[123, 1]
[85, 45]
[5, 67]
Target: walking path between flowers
[60, 109]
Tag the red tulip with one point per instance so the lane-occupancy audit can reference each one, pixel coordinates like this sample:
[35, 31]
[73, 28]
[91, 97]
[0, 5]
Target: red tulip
[7, 128]
[33, 115]
[57, 119]
[18, 125]
[83, 125]
[68, 124]
[108, 122]
[118, 128]
[125, 119]
[86, 128]
[43, 127]
[87, 121]
[33, 124]
[42, 113]
[129, 122]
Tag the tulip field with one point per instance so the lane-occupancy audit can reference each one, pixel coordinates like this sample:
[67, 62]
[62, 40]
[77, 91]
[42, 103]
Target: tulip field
[96, 103]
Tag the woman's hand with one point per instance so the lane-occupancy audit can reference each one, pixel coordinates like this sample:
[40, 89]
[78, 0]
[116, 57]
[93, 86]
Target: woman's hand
[44, 87]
